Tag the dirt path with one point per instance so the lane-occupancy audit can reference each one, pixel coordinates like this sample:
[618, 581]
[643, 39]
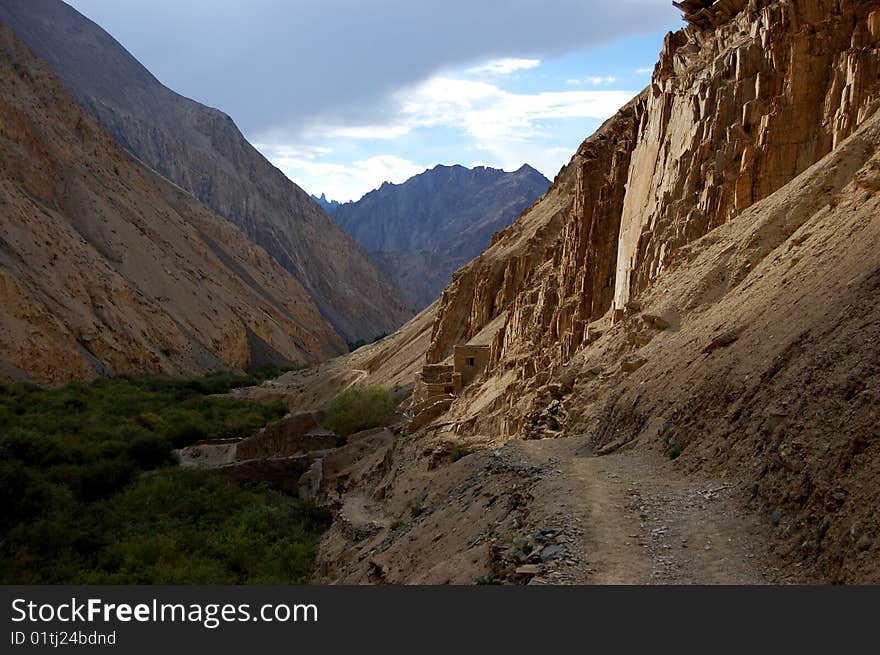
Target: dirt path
[543, 512]
[634, 518]
[361, 375]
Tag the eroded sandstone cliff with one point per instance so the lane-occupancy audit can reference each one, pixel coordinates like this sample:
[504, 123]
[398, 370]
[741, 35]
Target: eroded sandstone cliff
[733, 112]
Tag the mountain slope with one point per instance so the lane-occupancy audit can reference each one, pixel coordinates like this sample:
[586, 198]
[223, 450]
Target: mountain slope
[673, 293]
[106, 268]
[201, 150]
[685, 326]
[421, 231]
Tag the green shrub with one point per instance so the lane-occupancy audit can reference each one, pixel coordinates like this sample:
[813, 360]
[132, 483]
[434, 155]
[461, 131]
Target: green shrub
[149, 421]
[354, 345]
[150, 451]
[270, 372]
[88, 495]
[458, 452]
[185, 428]
[358, 408]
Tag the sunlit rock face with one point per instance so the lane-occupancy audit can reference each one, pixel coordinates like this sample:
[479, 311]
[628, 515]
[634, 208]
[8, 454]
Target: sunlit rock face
[739, 104]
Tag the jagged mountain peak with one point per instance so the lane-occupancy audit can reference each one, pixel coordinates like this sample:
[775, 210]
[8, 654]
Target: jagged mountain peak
[421, 230]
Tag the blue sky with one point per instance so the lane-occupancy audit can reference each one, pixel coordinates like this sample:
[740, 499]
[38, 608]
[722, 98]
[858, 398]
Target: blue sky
[345, 94]
[500, 113]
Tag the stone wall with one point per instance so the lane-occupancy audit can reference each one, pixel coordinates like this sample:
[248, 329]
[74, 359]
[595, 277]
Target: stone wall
[293, 434]
[470, 361]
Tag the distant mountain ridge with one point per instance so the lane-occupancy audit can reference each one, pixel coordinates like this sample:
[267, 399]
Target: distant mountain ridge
[421, 231]
[201, 150]
[328, 206]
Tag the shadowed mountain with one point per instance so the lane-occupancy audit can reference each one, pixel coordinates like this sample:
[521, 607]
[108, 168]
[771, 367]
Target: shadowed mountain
[421, 231]
[202, 150]
[106, 267]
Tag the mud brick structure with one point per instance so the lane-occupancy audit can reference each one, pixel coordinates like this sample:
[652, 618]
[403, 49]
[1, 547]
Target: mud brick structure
[438, 384]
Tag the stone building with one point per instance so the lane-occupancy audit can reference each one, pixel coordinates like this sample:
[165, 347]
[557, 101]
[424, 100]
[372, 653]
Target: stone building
[438, 384]
[469, 362]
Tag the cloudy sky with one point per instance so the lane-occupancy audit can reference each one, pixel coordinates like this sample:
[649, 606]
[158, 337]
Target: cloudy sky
[345, 94]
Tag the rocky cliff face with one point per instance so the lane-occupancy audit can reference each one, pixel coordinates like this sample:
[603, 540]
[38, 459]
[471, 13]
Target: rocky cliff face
[420, 231]
[733, 112]
[106, 268]
[201, 150]
[701, 278]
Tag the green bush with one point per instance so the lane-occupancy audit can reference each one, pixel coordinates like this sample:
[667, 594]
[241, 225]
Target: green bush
[458, 452]
[354, 345]
[270, 372]
[150, 451]
[89, 494]
[358, 408]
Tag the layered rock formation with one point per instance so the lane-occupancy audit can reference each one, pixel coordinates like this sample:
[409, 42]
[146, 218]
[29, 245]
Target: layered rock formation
[420, 231]
[732, 114]
[201, 150]
[701, 278]
[106, 268]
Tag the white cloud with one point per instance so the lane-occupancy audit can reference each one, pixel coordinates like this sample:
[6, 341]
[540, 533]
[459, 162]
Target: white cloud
[341, 182]
[483, 110]
[645, 70]
[505, 66]
[487, 112]
[357, 132]
[594, 80]
[350, 55]
[511, 128]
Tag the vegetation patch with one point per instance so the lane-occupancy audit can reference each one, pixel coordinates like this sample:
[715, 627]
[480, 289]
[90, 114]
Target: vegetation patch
[358, 408]
[360, 343]
[91, 492]
[270, 372]
[458, 452]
